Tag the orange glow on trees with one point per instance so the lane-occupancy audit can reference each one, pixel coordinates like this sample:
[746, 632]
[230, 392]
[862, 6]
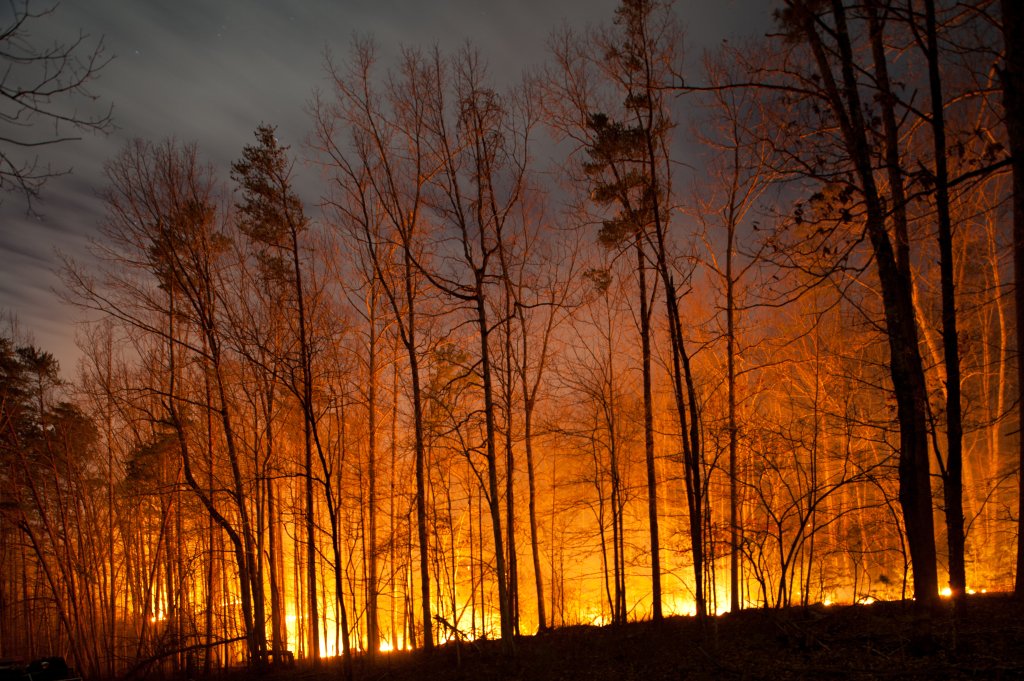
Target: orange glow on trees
[339, 434]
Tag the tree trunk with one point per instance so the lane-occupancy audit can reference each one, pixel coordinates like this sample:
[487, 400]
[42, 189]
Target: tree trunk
[372, 625]
[277, 613]
[312, 593]
[652, 478]
[1012, 74]
[510, 467]
[952, 479]
[421, 500]
[494, 493]
[730, 351]
[906, 368]
[538, 577]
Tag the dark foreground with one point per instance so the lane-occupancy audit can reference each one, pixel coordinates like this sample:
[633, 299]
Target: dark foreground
[883, 640]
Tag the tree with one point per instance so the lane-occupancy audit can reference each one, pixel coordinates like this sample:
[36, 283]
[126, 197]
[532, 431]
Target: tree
[952, 471]
[48, 450]
[39, 86]
[533, 298]
[604, 428]
[1012, 76]
[481, 146]
[738, 175]
[166, 278]
[381, 165]
[837, 86]
[629, 161]
[272, 215]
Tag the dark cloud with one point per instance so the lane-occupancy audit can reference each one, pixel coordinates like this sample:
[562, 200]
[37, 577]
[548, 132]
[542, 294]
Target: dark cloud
[209, 72]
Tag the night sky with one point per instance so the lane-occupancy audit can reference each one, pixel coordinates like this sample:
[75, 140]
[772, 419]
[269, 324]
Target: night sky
[210, 71]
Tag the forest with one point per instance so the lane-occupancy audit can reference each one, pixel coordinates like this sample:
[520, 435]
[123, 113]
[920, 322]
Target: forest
[615, 343]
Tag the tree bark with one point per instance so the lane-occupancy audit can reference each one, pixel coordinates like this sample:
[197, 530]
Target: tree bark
[952, 478]
[905, 365]
[652, 477]
[1012, 74]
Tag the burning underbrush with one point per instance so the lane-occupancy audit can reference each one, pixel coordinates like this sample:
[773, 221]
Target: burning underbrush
[983, 639]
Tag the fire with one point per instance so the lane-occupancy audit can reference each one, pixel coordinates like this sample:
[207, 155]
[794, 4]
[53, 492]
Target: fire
[677, 605]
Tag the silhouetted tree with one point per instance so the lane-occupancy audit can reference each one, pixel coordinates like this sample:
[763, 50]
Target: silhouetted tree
[40, 84]
[836, 75]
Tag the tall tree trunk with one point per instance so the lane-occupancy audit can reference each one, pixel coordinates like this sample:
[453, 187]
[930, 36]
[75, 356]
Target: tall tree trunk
[494, 492]
[277, 614]
[538, 576]
[906, 368]
[952, 478]
[332, 497]
[685, 394]
[211, 539]
[480, 557]
[730, 351]
[510, 465]
[1012, 74]
[393, 537]
[421, 493]
[372, 625]
[615, 493]
[312, 593]
[472, 566]
[652, 477]
[659, 185]
[251, 590]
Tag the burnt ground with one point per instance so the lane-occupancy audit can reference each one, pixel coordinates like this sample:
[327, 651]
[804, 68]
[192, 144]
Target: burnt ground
[883, 640]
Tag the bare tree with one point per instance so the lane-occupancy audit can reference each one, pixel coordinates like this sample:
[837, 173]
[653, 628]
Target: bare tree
[166, 250]
[480, 139]
[272, 215]
[836, 84]
[40, 85]
[726, 204]
[374, 144]
[626, 70]
[1012, 76]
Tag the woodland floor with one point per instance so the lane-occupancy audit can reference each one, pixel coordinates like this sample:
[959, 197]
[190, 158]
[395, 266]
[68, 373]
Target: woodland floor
[883, 640]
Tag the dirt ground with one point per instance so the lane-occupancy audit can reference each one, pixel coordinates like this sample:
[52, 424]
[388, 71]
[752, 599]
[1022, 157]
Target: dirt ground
[883, 640]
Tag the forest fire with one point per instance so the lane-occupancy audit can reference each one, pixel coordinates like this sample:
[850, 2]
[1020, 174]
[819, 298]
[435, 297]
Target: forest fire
[477, 397]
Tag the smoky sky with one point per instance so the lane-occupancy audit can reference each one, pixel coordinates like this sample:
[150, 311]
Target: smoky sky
[210, 71]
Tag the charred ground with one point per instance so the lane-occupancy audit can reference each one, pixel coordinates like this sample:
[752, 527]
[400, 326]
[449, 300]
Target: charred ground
[985, 639]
